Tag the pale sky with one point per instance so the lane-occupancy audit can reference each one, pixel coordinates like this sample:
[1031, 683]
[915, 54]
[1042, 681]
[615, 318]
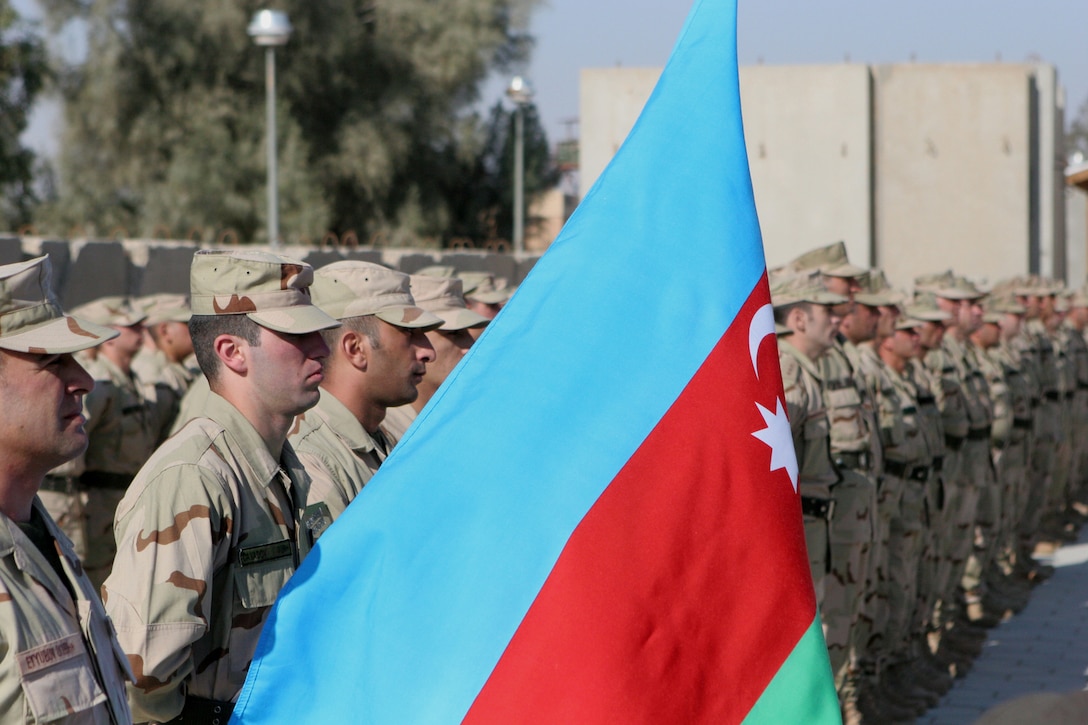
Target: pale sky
[575, 34]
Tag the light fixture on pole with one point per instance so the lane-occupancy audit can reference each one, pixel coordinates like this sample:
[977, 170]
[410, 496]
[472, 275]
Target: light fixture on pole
[270, 28]
[521, 94]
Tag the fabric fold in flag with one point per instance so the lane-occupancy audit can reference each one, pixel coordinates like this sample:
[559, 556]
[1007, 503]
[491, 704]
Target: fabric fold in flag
[591, 521]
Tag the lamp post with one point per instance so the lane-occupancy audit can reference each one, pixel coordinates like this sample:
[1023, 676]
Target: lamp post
[270, 28]
[521, 94]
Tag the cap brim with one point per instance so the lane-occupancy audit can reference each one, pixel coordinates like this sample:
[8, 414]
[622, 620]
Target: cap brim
[60, 335]
[409, 317]
[489, 298]
[877, 299]
[294, 320]
[458, 318]
[845, 270]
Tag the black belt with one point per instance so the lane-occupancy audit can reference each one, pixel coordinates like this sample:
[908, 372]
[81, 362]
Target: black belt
[818, 507]
[1068, 395]
[926, 400]
[58, 484]
[938, 464]
[852, 459]
[953, 442]
[199, 711]
[102, 479]
[1022, 423]
[907, 471]
[979, 434]
[1053, 395]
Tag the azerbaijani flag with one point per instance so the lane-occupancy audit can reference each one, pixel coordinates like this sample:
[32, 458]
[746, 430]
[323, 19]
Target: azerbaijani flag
[596, 520]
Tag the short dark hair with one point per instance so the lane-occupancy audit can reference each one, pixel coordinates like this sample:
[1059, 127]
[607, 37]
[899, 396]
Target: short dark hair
[365, 325]
[205, 328]
[781, 314]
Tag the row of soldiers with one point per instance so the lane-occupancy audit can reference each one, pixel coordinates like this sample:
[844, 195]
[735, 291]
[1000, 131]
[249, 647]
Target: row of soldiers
[936, 440]
[192, 498]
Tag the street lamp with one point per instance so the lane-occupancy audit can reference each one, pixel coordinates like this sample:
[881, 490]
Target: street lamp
[271, 28]
[521, 94]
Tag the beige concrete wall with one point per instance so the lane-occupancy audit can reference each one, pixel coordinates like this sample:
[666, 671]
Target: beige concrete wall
[953, 151]
[809, 151]
[916, 167]
[807, 132]
[1076, 226]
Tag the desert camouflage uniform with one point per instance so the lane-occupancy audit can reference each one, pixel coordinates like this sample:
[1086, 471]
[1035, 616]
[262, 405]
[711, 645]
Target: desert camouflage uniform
[907, 468]
[398, 420]
[889, 495]
[124, 425]
[192, 403]
[216, 516]
[170, 380]
[59, 658]
[852, 425]
[932, 429]
[1012, 400]
[1066, 374]
[1046, 431]
[339, 455]
[1078, 348]
[816, 473]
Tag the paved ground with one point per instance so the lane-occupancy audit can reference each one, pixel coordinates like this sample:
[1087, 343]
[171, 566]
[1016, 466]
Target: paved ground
[1042, 649]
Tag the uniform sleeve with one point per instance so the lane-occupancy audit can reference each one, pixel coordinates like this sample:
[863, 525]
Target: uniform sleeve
[797, 402]
[169, 544]
[325, 486]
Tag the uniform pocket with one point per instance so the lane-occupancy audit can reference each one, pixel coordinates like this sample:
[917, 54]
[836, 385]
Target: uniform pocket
[256, 586]
[58, 679]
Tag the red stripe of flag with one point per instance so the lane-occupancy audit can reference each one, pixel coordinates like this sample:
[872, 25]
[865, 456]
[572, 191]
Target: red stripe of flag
[686, 585]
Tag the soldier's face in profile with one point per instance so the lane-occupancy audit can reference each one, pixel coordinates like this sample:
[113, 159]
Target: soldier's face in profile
[907, 343]
[41, 396]
[287, 369]
[449, 347]
[397, 365]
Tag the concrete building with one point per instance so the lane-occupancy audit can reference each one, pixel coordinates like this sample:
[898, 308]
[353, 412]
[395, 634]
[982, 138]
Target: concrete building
[916, 167]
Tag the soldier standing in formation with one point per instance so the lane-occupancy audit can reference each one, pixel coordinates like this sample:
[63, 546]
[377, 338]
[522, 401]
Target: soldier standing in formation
[59, 658]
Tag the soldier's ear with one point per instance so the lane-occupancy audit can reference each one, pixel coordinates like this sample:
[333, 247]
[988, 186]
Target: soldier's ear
[232, 352]
[354, 348]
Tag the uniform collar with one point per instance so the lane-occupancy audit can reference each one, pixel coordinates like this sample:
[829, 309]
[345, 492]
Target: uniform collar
[343, 423]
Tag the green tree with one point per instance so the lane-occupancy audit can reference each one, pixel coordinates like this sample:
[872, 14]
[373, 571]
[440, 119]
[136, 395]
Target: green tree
[483, 200]
[166, 125]
[23, 73]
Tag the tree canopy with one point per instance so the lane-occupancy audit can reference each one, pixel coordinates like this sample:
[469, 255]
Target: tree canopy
[165, 122]
[23, 72]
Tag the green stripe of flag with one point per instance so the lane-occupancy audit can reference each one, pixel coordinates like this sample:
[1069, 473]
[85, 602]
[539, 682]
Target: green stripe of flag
[802, 691]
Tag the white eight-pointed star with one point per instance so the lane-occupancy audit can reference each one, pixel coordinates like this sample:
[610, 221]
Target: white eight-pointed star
[777, 436]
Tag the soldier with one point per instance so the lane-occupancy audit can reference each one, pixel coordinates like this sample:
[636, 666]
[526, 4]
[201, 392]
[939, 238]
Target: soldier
[169, 364]
[441, 297]
[1076, 322]
[484, 295]
[58, 653]
[1037, 353]
[379, 354]
[855, 451]
[1012, 419]
[804, 314]
[213, 525]
[970, 485]
[125, 422]
[908, 467]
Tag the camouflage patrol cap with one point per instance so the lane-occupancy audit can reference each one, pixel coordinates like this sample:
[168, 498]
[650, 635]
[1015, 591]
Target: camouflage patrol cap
[876, 292]
[442, 296]
[115, 311]
[31, 318]
[271, 290]
[438, 270]
[165, 307]
[356, 289]
[793, 289]
[1079, 298]
[830, 260]
[1002, 304]
[906, 322]
[484, 287]
[949, 286]
[925, 308]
